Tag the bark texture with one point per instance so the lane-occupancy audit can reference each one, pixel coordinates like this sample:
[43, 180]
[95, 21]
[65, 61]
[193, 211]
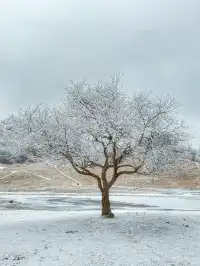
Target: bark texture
[106, 210]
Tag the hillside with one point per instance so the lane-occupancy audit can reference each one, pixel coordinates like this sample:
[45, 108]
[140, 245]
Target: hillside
[42, 177]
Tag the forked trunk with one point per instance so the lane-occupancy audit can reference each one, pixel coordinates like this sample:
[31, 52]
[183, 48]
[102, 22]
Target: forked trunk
[106, 210]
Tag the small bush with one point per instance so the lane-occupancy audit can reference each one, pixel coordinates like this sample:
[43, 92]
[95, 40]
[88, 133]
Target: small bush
[5, 156]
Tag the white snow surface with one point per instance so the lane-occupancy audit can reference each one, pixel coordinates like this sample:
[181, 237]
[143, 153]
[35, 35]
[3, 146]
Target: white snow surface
[139, 236]
[3, 167]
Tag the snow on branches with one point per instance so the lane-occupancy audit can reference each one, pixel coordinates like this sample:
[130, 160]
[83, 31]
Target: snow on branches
[101, 126]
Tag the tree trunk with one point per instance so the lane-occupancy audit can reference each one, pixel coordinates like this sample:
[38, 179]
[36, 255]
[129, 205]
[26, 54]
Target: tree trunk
[106, 210]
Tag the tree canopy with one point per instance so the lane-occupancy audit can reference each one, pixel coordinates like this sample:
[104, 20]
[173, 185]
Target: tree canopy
[102, 126]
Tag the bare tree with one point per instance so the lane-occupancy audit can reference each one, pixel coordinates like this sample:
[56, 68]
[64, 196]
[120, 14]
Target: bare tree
[101, 127]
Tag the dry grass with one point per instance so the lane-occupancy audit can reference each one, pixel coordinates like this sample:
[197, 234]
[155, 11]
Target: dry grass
[40, 177]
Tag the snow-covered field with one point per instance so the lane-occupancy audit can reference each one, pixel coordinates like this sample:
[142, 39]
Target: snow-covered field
[155, 228]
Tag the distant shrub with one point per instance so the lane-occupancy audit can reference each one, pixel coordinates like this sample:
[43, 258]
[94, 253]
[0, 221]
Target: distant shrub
[22, 158]
[5, 156]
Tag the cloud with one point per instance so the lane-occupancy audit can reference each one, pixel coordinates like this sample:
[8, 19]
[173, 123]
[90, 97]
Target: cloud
[45, 43]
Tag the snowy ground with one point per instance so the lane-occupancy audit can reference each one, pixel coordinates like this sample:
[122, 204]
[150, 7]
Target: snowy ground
[157, 228]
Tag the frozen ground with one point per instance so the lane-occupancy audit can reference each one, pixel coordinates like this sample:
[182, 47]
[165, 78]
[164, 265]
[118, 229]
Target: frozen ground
[157, 228]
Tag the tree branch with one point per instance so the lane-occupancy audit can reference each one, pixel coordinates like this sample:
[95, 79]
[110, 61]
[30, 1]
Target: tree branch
[126, 173]
[104, 171]
[115, 162]
[96, 164]
[123, 155]
[130, 172]
[125, 165]
[84, 171]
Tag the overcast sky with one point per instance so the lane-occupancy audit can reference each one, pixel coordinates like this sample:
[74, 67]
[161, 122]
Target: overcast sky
[45, 43]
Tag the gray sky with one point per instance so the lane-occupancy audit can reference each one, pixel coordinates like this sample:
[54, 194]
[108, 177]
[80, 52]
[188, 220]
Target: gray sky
[45, 43]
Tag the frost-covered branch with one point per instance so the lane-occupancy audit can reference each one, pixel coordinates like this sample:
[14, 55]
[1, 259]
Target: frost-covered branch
[100, 126]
